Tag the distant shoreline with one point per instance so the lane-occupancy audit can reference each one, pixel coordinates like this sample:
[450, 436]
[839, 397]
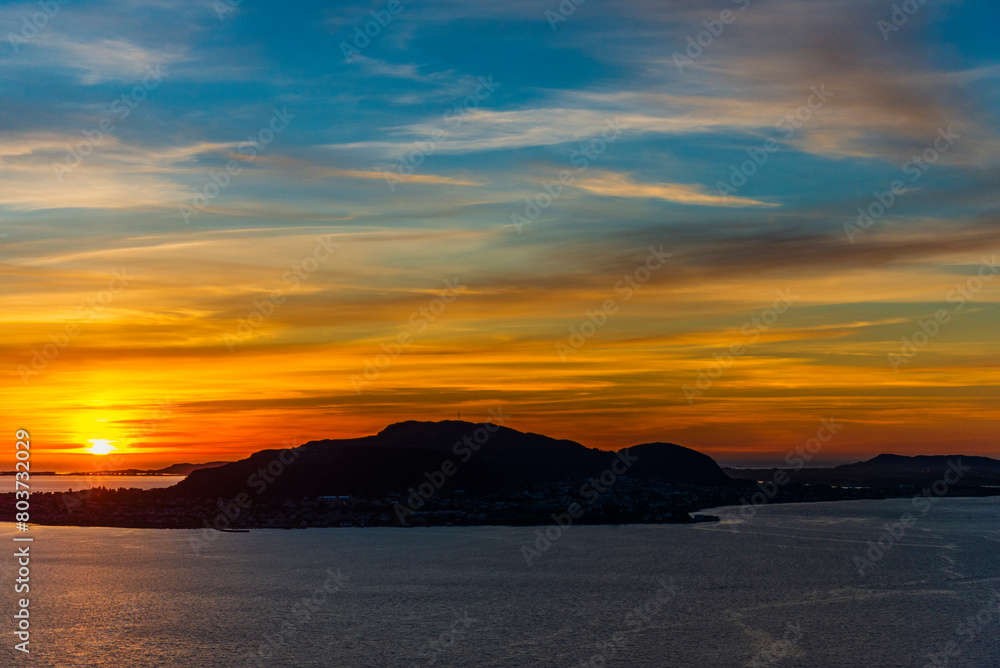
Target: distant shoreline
[700, 516]
[695, 518]
[104, 474]
[158, 509]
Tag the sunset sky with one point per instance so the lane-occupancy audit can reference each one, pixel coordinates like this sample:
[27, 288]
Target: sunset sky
[361, 188]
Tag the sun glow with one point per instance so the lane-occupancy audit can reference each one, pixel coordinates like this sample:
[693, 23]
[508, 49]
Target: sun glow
[100, 446]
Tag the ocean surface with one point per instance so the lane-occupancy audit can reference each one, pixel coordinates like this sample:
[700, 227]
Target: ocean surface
[780, 589]
[65, 483]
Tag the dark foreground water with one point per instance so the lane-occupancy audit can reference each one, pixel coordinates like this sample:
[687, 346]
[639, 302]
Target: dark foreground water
[783, 589]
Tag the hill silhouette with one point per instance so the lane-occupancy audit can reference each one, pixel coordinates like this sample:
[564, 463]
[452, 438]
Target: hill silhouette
[922, 468]
[400, 456]
[889, 469]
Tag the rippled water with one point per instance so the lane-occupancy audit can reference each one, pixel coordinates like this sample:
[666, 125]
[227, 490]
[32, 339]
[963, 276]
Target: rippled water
[782, 589]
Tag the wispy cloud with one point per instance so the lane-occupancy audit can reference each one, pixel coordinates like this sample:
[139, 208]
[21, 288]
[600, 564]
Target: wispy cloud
[97, 60]
[620, 185]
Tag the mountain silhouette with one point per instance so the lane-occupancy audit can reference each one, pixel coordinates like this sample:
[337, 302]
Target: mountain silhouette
[403, 454]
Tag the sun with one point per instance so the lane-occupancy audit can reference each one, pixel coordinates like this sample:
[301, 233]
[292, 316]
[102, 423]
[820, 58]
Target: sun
[100, 446]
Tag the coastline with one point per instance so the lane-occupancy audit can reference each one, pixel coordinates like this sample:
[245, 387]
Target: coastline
[202, 513]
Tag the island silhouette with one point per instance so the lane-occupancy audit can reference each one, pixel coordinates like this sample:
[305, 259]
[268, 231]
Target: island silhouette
[457, 473]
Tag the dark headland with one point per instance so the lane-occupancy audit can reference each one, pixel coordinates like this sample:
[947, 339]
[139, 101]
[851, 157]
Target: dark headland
[454, 473]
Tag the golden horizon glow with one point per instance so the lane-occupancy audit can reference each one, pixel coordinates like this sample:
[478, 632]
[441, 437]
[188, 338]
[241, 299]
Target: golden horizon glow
[177, 394]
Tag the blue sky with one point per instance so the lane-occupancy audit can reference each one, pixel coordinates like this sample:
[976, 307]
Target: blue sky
[494, 101]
